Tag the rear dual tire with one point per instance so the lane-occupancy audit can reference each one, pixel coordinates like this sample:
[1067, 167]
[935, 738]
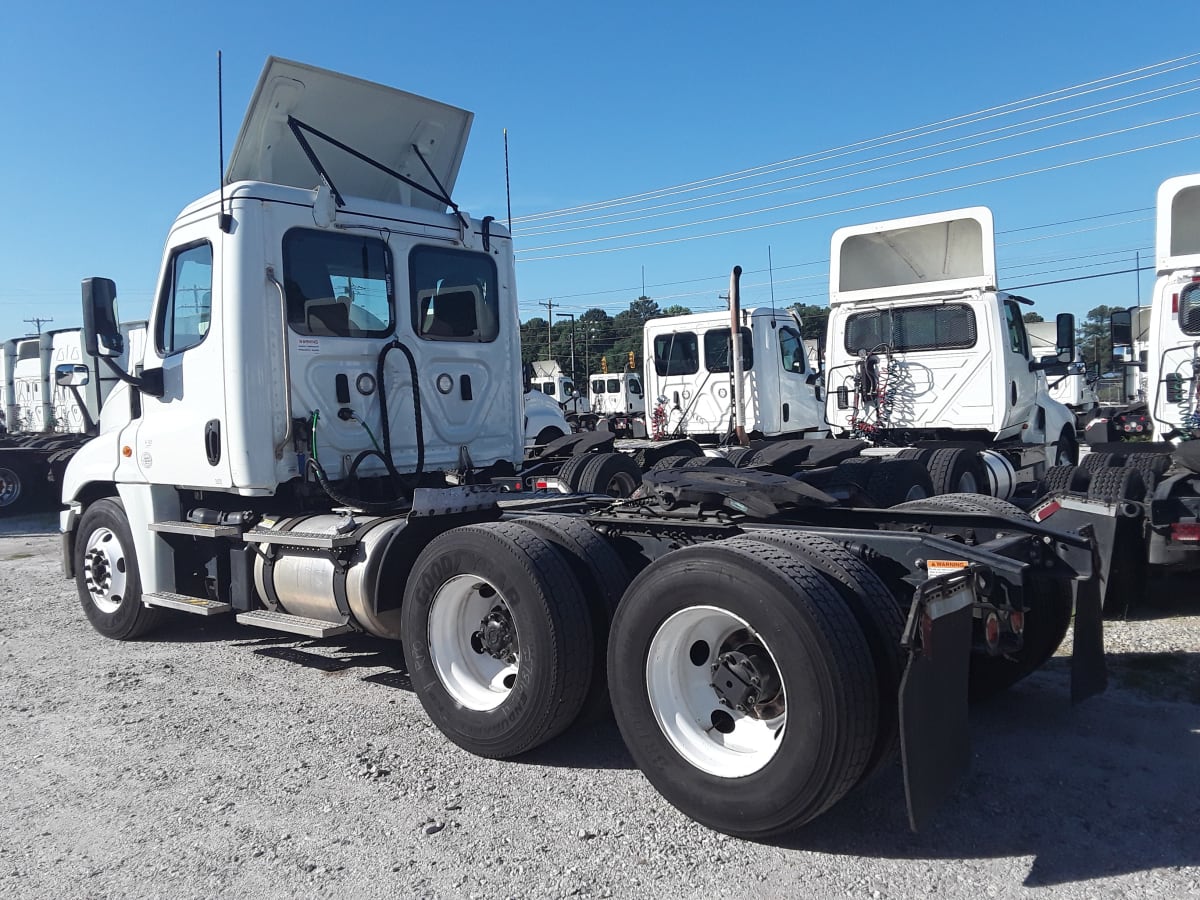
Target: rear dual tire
[697, 615]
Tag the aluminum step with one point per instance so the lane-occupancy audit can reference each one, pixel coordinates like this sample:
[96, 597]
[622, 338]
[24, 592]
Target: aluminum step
[278, 621]
[197, 605]
[196, 530]
[313, 539]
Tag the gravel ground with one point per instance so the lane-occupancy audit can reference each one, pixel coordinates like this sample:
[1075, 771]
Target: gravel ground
[219, 760]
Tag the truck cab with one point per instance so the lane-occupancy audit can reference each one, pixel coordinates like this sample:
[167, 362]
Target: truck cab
[923, 347]
[322, 314]
[689, 383]
[1173, 353]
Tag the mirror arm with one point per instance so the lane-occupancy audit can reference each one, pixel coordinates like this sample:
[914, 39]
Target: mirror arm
[150, 382]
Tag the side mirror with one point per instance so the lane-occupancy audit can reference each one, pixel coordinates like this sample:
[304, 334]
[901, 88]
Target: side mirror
[1064, 343]
[812, 378]
[1120, 328]
[71, 375]
[1051, 365]
[101, 334]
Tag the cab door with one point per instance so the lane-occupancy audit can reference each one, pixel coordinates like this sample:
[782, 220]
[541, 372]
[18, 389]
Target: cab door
[181, 437]
[799, 408]
[1020, 385]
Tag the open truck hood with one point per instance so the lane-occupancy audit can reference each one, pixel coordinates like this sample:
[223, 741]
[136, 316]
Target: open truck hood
[940, 252]
[380, 122]
[1177, 234]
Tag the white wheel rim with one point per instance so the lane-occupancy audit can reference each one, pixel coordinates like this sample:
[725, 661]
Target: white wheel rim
[967, 484]
[686, 705]
[105, 570]
[916, 492]
[473, 677]
[620, 485]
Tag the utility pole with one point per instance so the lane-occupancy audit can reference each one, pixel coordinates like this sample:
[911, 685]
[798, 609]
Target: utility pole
[549, 304]
[571, 316]
[37, 321]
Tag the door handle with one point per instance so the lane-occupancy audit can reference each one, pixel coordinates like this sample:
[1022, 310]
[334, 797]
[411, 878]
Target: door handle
[212, 441]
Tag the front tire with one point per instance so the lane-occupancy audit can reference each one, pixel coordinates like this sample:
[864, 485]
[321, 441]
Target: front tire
[106, 574]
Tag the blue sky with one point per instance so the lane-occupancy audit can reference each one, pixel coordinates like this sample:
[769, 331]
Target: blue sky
[110, 114]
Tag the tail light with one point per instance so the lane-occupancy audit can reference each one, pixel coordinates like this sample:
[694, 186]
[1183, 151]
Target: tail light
[1188, 532]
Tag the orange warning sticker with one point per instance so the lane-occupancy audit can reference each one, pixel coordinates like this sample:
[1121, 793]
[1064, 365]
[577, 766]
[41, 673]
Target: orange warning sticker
[942, 566]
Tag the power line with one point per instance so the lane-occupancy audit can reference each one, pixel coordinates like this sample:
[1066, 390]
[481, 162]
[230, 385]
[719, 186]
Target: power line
[1021, 287]
[1012, 107]
[796, 182]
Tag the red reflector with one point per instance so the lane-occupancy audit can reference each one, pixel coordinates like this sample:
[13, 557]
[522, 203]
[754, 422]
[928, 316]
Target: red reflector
[541, 484]
[1175, 303]
[1186, 531]
[992, 630]
[1017, 621]
[1047, 511]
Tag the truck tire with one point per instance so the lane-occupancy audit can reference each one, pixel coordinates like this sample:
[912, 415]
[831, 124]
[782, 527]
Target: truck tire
[1047, 616]
[1152, 466]
[707, 462]
[877, 612]
[15, 487]
[670, 462]
[740, 456]
[546, 435]
[498, 645]
[614, 474]
[107, 576]
[569, 471]
[921, 454]
[1112, 485]
[1066, 449]
[956, 471]
[1061, 479]
[1098, 462]
[895, 481]
[603, 577]
[687, 623]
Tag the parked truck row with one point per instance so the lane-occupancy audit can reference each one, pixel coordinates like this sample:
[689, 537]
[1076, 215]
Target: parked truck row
[316, 459]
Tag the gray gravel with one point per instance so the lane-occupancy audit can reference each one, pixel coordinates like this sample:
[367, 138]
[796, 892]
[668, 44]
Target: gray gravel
[219, 760]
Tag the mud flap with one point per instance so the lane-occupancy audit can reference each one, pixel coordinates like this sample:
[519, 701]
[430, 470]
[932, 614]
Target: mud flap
[1089, 674]
[934, 744]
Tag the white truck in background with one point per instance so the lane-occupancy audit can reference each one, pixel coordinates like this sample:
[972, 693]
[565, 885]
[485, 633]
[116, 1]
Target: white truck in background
[924, 352]
[551, 380]
[52, 396]
[619, 399]
[1076, 390]
[690, 385]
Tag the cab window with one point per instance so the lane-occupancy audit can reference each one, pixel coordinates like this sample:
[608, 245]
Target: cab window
[337, 285]
[1017, 341]
[454, 295]
[597, 386]
[791, 350]
[716, 350]
[635, 387]
[676, 354]
[1189, 309]
[187, 310]
[614, 385]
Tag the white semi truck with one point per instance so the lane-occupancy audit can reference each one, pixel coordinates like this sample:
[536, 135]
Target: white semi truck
[925, 352]
[1074, 390]
[320, 435]
[619, 399]
[690, 383]
[52, 395]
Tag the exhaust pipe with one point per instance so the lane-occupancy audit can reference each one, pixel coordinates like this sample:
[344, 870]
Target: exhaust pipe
[735, 351]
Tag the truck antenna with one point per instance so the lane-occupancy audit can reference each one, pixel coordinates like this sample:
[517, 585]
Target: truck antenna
[507, 188]
[224, 220]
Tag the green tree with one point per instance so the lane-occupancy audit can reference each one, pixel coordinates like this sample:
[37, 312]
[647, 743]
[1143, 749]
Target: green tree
[813, 320]
[1093, 336]
[1032, 317]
